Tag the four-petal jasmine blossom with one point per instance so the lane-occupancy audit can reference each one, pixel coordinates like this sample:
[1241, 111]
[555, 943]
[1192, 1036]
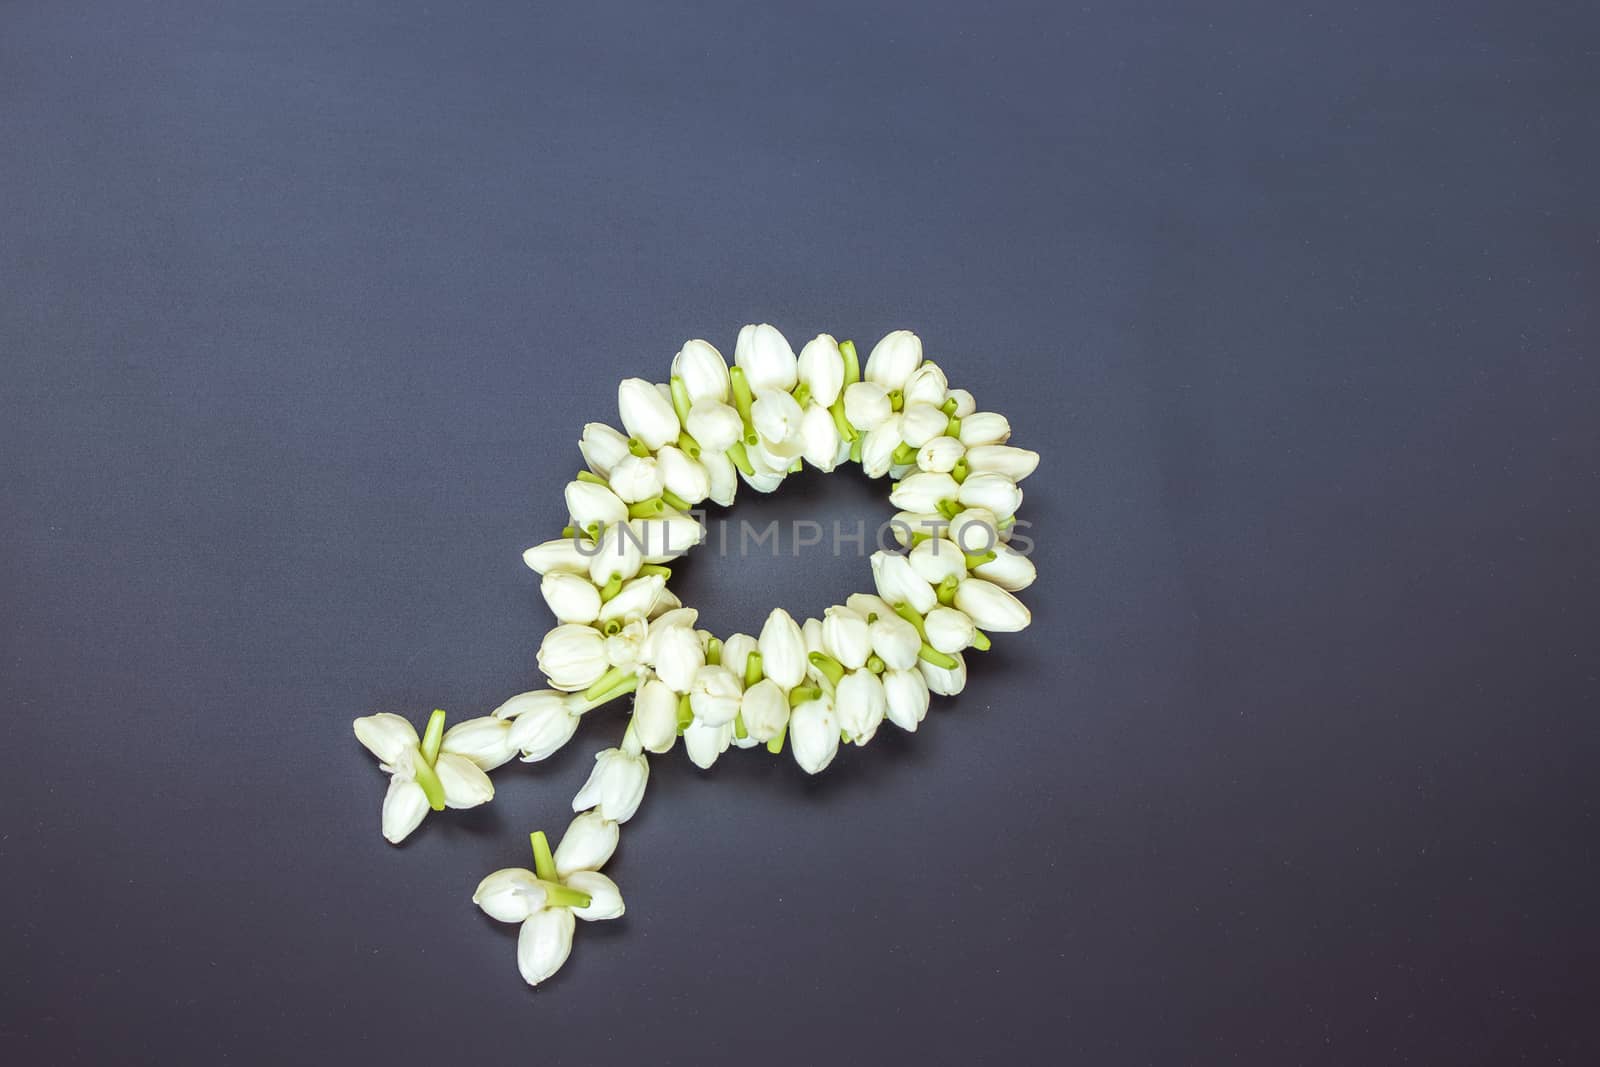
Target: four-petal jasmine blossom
[421, 774]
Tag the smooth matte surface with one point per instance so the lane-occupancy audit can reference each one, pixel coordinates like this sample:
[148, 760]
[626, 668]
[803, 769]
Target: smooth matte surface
[301, 308]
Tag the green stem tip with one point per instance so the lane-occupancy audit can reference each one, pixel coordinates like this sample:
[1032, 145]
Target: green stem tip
[544, 864]
[433, 736]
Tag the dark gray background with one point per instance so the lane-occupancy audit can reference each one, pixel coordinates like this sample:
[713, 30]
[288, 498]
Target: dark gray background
[302, 306]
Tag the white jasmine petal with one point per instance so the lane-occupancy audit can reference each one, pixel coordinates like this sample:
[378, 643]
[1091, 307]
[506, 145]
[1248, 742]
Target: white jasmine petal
[906, 692]
[682, 475]
[388, 736]
[703, 371]
[965, 405]
[590, 840]
[860, 704]
[622, 648]
[991, 607]
[923, 491]
[909, 526]
[635, 600]
[765, 708]
[605, 899]
[845, 637]
[767, 359]
[945, 682]
[509, 895]
[676, 656]
[544, 943]
[615, 786]
[1010, 569]
[539, 702]
[761, 481]
[404, 805]
[926, 385]
[948, 630]
[714, 695]
[679, 617]
[705, 742]
[572, 657]
[898, 583]
[936, 559]
[819, 438]
[572, 598]
[618, 555]
[984, 428]
[895, 641]
[921, 423]
[776, 418]
[565, 554]
[465, 784]
[636, 478]
[715, 425]
[866, 405]
[602, 447]
[541, 730]
[867, 605]
[485, 741]
[811, 634]
[1013, 463]
[735, 650]
[822, 369]
[814, 734]
[722, 475]
[783, 649]
[591, 504]
[646, 413]
[666, 537]
[940, 454]
[878, 445]
[975, 530]
[893, 359]
[994, 493]
[655, 716]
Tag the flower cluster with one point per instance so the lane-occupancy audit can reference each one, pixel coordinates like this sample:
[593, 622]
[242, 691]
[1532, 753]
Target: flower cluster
[816, 685]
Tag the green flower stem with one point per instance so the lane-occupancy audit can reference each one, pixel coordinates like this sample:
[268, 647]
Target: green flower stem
[638, 448]
[674, 501]
[904, 454]
[685, 713]
[656, 569]
[593, 531]
[627, 685]
[953, 428]
[569, 532]
[909, 613]
[919, 536]
[741, 394]
[752, 669]
[680, 398]
[897, 400]
[428, 779]
[802, 693]
[948, 508]
[689, 446]
[739, 730]
[855, 450]
[949, 406]
[646, 509]
[946, 590]
[775, 746]
[796, 467]
[831, 668]
[432, 737]
[607, 682]
[557, 895]
[802, 394]
[544, 864]
[612, 587]
[714, 652]
[852, 365]
[975, 561]
[737, 454]
[935, 657]
[611, 627]
[875, 665]
[592, 478]
[836, 409]
[1007, 522]
[980, 641]
[960, 471]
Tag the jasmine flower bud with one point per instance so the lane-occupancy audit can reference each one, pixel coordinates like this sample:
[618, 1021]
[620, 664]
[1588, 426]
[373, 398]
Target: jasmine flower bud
[735, 650]
[615, 786]
[715, 425]
[866, 405]
[602, 447]
[926, 385]
[465, 784]
[776, 418]
[921, 423]
[565, 554]
[1010, 569]
[682, 476]
[822, 369]
[605, 900]
[907, 527]
[636, 478]
[878, 446]
[990, 607]
[622, 647]
[571, 598]
[945, 682]
[636, 599]
[895, 641]
[655, 716]
[783, 649]
[714, 695]
[676, 656]
[814, 734]
[975, 530]
[544, 944]
[591, 504]
[723, 476]
[936, 559]
[765, 708]
[541, 722]
[984, 428]
[703, 371]
[388, 736]
[965, 405]
[811, 634]
[404, 806]
[898, 583]
[665, 538]
[590, 840]
[618, 555]
[819, 438]
[994, 493]
[906, 692]
[487, 742]
[845, 637]
[1004, 460]
[923, 491]
[893, 359]
[948, 630]
[510, 895]
[766, 358]
[940, 454]
[705, 742]
[860, 704]
[646, 413]
[572, 657]
[867, 605]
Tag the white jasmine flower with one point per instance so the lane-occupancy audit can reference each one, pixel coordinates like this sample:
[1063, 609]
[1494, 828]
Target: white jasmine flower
[909, 526]
[1005, 460]
[715, 425]
[636, 478]
[617, 555]
[590, 504]
[735, 650]
[486, 741]
[465, 784]
[776, 418]
[783, 649]
[705, 742]
[994, 493]
[991, 607]
[878, 446]
[766, 358]
[571, 598]
[703, 371]
[940, 454]
[682, 475]
[936, 559]
[893, 359]
[544, 944]
[404, 806]
[921, 423]
[636, 599]
[948, 630]
[714, 695]
[945, 682]
[906, 692]
[923, 491]
[572, 657]
[667, 536]
[622, 647]
[510, 895]
[898, 583]
[615, 786]
[722, 475]
[602, 447]
[814, 734]
[860, 704]
[587, 845]
[811, 634]
[926, 385]
[845, 637]
[646, 413]
[541, 722]
[605, 898]
[965, 405]
[1010, 569]
[866, 405]
[984, 428]
[975, 530]
[765, 708]
[655, 716]
[822, 369]
[895, 641]
[388, 736]
[457, 781]
[676, 654]
[570, 555]
[819, 438]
